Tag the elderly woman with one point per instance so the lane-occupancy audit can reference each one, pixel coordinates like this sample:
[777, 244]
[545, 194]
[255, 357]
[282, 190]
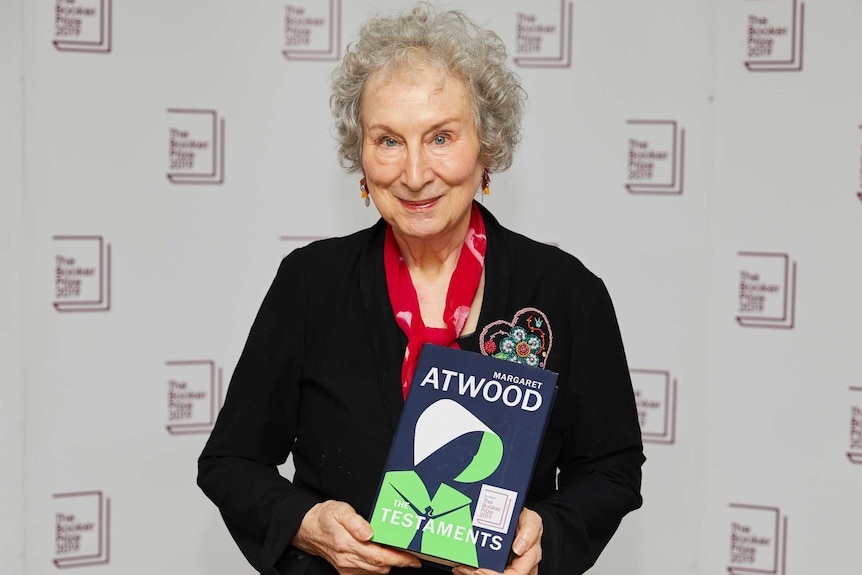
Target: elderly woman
[425, 108]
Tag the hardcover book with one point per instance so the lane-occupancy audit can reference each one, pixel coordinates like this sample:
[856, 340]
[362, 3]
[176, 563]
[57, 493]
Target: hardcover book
[462, 458]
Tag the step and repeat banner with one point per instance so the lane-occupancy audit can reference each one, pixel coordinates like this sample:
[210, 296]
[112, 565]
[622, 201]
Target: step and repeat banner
[704, 158]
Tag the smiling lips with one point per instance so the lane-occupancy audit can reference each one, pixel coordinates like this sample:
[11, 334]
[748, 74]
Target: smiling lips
[418, 205]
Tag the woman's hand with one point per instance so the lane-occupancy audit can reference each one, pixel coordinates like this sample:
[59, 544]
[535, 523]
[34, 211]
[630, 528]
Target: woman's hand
[527, 547]
[334, 531]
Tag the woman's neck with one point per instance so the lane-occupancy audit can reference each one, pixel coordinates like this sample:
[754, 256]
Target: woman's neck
[431, 258]
[431, 264]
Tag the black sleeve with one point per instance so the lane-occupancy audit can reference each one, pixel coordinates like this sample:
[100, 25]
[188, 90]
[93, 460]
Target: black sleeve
[256, 429]
[602, 453]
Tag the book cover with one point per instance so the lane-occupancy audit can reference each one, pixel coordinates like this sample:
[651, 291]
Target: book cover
[462, 458]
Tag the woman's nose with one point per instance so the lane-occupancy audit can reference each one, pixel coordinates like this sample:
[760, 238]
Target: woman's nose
[417, 169]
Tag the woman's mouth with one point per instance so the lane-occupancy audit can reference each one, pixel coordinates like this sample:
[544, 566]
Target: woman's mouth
[419, 205]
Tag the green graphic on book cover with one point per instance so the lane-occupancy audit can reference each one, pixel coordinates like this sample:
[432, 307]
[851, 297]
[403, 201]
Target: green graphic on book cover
[408, 516]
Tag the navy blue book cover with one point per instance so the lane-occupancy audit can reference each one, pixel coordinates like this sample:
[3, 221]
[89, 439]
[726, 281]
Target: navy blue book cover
[462, 458]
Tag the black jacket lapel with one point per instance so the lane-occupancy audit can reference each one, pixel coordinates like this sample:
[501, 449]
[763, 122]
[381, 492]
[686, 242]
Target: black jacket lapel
[388, 342]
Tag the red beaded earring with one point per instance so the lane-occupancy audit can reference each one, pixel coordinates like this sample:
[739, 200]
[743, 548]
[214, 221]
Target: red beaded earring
[486, 179]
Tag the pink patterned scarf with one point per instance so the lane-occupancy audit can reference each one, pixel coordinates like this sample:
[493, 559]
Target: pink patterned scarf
[459, 298]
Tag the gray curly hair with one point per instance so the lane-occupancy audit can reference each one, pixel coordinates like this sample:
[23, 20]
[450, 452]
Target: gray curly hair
[447, 39]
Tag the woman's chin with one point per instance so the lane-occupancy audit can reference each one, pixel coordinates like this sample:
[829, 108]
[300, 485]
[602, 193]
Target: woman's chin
[418, 231]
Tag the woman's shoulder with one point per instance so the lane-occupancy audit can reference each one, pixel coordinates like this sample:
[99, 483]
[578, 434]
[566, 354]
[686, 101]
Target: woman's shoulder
[331, 254]
[528, 255]
[544, 277]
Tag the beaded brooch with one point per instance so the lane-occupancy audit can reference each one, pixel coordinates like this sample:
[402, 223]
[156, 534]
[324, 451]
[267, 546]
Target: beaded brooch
[526, 339]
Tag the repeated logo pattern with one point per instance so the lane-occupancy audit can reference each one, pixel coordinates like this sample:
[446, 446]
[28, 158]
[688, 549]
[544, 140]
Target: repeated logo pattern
[775, 32]
[544, 41]
[82, 529]
[758, 540]
[859, 175]
[854, 454]
[82, 274]
[195, 395]
[196, 147]
[656, 157]
[655, 398]
[767, 290]
[312, 33]
[83, 26]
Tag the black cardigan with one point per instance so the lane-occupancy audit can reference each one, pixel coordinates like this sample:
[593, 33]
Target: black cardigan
[319, 378]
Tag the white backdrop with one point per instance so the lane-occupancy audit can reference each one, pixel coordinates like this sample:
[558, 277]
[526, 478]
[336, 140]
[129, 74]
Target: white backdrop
[703, 157]
[11, 230]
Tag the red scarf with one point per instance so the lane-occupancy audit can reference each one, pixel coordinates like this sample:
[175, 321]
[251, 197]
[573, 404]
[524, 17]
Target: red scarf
[459, 298]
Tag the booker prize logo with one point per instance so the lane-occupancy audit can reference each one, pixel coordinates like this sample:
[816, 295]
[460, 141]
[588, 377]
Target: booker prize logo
[855, 452]
[82, 274]
[655, 397]
[83, 26]
[195, 147]
[767, 290]
[195, 392]
[758, 540]
[859, 193]
[656, 156]
[82, 529]
[312, 30]
[774, 34]
[543, 36]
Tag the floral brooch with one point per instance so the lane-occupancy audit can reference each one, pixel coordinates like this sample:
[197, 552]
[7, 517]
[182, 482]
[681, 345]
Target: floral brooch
[526, 339]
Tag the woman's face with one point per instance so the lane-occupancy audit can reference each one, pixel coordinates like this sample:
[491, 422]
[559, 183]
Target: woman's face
[420, 151]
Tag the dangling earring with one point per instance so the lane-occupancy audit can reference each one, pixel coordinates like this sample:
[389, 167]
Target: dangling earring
[486, 179]
[364, 189]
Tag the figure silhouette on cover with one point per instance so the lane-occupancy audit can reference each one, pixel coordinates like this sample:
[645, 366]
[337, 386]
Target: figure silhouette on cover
[445, 451]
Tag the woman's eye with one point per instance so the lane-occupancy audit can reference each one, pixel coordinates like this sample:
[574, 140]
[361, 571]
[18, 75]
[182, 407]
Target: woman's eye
[389, 142]
[440, 139]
